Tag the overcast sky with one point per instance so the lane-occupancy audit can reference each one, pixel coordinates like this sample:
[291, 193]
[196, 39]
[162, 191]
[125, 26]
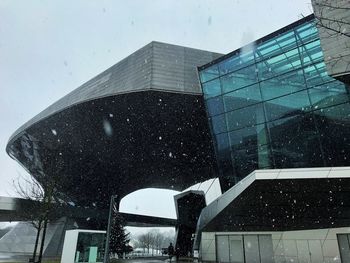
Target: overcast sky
[48, 48]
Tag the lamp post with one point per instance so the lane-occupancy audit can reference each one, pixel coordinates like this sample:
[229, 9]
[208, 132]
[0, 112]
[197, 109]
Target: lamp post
[111, 207]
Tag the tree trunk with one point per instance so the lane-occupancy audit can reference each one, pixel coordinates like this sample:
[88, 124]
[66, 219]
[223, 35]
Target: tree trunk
[42, 241]
[37, 240]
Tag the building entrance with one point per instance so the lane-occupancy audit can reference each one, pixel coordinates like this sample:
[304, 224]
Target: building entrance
[244, 248]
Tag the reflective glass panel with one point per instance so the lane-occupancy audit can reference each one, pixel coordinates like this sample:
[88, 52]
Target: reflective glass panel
[90, 247]
[311, 53]
[248, 136]
[215, 106]
[295, 142]
[334, 127]
[328, 94]
[245, 117]
[276, 45]
[282, 85]
[212, 88]
[316, 74]
[279, 64]
[242, 97]
[241, 59]
[219, 123]
[294, 104]
[239, 79]
[306, 32]
[209, 73]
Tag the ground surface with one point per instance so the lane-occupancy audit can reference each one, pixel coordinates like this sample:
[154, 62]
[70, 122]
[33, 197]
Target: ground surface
[134, 260]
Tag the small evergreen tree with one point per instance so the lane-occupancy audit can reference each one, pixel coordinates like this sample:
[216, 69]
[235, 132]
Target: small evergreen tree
[119, 239]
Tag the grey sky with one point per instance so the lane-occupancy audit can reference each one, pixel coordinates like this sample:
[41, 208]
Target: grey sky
[48, 48]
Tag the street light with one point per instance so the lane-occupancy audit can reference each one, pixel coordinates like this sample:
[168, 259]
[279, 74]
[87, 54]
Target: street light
[111, 207]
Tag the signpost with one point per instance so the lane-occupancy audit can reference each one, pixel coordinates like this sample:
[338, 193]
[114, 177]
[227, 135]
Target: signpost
[111, 208]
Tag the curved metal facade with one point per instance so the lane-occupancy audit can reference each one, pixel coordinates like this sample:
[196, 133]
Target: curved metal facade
[141, 123]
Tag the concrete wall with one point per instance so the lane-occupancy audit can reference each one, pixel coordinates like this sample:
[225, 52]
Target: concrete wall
[291, 246]
[333, 19]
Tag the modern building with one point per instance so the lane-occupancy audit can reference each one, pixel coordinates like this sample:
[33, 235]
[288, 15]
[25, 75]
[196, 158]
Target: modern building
[273, 107]
[139, 124]
[270, 120]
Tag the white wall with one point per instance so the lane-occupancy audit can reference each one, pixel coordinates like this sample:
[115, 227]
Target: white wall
[289, 246]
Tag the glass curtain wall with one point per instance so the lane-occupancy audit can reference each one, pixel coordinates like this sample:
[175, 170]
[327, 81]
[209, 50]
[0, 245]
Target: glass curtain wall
[272, 104]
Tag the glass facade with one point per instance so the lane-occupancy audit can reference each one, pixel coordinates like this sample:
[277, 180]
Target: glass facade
[273, 105]
[90, 247]
[244, 248]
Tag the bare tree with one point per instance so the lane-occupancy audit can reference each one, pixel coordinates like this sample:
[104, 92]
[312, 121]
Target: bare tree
[145, 240]
[30, 189]
[154, 240]
[333, 23]
[41, 198]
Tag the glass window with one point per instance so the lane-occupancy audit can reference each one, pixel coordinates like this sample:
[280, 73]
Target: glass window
[311, 53]
[224, 155]
[215, 106]
[316, 74]
[223, 251]
[245, 161]
[219, 123]
[211, 88]
[248, 136]
[243, 58]
[242, 97]
[222, 143]
[251, 247]
[306, 33]
[295, 142]
[278, 65]
[209, 73]
[236, 249]
[239, 79]
[293, 104]
[245, 117]
[334, 127]
[283, 85]
[90, 247]
[266, 249]
[276, 45]
[328, 94]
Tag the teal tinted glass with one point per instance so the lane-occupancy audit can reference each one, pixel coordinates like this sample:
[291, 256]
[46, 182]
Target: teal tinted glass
[278, 65]
[311, 53]
[276, 46]
[316, 74]
[295, 142]
[239, 79]
[328, 94]
[336, 113]
[222, 142]
[282, 85]
[209, 73]
[242, 97]
[248, 136]
[279, 109]
[243, 58]
[293, 104]
[219, 123]
[306, 33]
[212, 88]
[245, 117]
[215, 106]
